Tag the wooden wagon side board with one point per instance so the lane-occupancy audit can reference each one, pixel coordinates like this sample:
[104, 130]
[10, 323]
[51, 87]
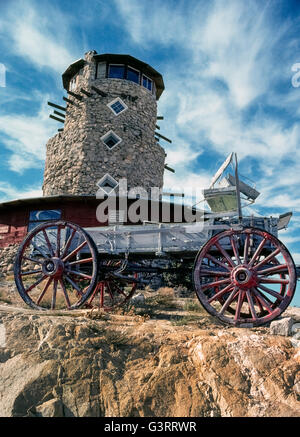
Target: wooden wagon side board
[81, 210]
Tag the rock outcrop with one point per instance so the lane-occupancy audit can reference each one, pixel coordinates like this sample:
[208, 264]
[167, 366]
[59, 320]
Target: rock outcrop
[118, 365]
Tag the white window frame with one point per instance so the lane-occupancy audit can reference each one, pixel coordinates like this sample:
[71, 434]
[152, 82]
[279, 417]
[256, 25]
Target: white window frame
[117, 99]
[138, 71]
[104, 64]
[73, 83]
[148, 78]
[105, 136]
[153, 88]
[111, 179]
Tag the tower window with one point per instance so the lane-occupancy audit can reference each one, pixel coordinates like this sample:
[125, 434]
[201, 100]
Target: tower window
[116, 71]
[38, 217]
[117, 106]
[73, 83]
[147, 83]
[110, 139]
[101, 70]
[107, 183]
[133, 75]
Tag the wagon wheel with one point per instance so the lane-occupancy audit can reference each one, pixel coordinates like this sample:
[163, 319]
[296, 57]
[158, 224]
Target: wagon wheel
[113, 291]
[244, 277]
[231, 308]
[56, 266]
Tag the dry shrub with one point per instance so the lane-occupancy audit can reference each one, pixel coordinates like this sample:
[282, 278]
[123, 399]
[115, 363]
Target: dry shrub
[166, 291]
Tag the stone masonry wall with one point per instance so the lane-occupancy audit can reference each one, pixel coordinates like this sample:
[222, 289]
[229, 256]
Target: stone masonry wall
[7, 259]
[77, 158]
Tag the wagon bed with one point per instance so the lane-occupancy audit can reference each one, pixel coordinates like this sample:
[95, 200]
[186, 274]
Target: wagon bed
[241, 272]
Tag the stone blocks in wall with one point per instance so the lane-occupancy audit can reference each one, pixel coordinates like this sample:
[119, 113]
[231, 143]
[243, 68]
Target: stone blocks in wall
[77, 158]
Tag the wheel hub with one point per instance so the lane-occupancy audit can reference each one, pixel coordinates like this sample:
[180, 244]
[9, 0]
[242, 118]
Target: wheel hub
[53, 267]
[244, 277]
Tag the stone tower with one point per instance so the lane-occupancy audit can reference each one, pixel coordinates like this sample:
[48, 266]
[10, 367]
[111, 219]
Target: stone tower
[109, 128]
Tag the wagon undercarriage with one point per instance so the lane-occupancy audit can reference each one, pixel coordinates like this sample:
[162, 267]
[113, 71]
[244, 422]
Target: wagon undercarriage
[242, 275]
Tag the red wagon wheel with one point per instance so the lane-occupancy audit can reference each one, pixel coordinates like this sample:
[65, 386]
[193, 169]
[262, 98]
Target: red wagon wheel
[113, 291]
[244, 277]
[56, 266]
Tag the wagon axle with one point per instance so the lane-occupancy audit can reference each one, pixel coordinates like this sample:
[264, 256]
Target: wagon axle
[53, 268]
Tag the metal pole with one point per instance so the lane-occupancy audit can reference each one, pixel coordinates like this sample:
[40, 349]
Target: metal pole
[237, 184]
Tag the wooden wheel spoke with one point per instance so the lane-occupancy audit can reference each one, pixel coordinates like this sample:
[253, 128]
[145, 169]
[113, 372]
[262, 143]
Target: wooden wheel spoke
[211, 272]
[74, 285]
[246, 248]
[251, 305]
[225, 254]
[44, 290]
[53, 301]
[262, 300]
[75, 251]
[65, 293]
[44, 255]
[32, 272]
[35, 284]
[271, 292]
[68, 243]
[216, 261]
[81, 261]
[58, 241]
[110, 291]
[274, 281]
[258, 251]
[235, 250]
[82, 275]
[265, 297]
[282, 268]
[220, 293]
[258, 302]
[119, 290]
[67, 255]
[215, 284]
[267, 259]
[93, 294]
[48, 243]
[229, 300]
[101, 294]
[239, 304]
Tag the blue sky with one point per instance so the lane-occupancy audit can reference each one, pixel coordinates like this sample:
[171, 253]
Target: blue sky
[227, 67]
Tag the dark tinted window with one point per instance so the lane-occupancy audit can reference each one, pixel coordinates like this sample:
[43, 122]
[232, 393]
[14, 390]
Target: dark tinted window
[147, 83]
[116, 71]
[133, 75]
[45, 215]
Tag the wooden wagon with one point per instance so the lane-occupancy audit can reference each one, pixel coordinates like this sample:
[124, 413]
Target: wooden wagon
[242, 273]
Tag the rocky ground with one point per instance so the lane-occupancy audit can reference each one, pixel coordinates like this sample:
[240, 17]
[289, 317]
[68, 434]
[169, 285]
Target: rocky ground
[164, 358]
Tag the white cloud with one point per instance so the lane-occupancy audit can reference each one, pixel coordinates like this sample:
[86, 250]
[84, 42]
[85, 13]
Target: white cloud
[26, 136]
[10, 192]
[38, 35]
[228, 49]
